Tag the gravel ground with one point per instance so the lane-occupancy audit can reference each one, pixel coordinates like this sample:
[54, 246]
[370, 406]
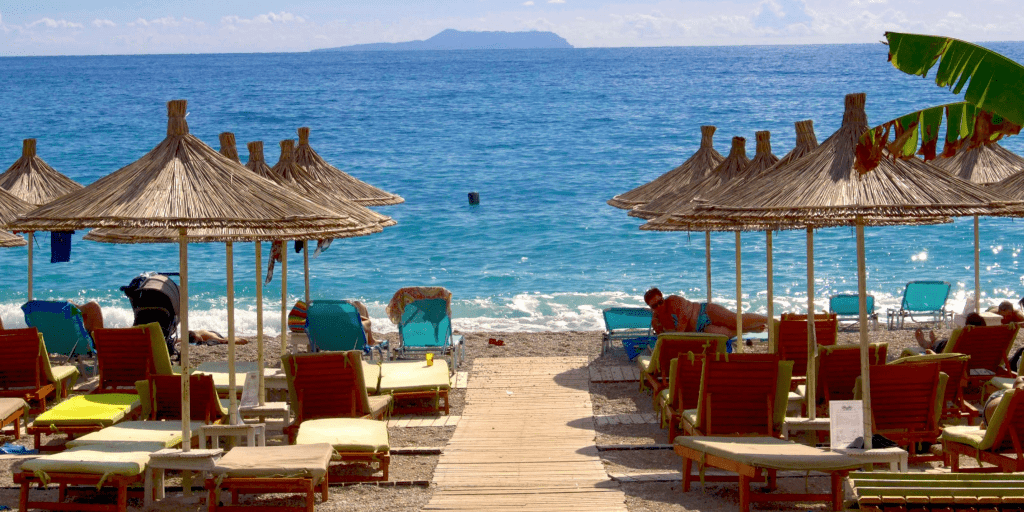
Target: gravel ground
[607, 399]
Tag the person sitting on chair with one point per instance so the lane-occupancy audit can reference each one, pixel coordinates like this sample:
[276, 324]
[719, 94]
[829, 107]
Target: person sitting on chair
[676, 314]
[936, 346]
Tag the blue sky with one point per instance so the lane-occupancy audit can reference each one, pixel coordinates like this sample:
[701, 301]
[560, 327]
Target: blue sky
[96, 27]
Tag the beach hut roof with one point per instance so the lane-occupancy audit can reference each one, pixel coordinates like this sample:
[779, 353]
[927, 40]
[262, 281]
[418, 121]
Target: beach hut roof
[32, 180]
[228, 147]
[184, 184]
[825, 189]
[338, 182]
[699, 165]
[296, 177]
[734, 166]
[984, 163]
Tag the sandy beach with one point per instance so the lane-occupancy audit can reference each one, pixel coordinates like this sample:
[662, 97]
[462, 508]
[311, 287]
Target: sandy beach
[607, 399]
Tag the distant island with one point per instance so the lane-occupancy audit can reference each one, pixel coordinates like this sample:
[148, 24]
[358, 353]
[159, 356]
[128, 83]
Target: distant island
[458, 40]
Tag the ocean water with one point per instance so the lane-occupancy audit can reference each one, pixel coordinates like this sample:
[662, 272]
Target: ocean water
[544, 136]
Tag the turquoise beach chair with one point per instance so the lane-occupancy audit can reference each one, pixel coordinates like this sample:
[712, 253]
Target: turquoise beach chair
[423, 317]
[630, 325]
[922, 299]
[61, 324]
[846, 306]
[335, 325]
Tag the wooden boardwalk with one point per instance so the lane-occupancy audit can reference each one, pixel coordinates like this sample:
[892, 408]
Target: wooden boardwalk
[525, 442]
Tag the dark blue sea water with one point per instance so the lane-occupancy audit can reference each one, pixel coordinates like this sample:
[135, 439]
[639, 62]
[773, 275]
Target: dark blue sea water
[545, 137]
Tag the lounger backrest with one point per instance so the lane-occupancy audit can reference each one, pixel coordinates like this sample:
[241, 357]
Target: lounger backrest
[925, 296]
[849, 304]
[327, 385]
[20, 361]
[685, 392]
[903, 397]
[671, 345]
[1007, 424]
[334, 325]
[165, 396]
[987, 345]
[955, 367]
[425, 323]
[839, 367]
[738, 394]
[635, 321]
[791, 337]
[61, 324]
[123, 357]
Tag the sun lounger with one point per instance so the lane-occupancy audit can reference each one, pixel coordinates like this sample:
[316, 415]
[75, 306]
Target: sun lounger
[654, 369]
[271, 469]
[335, 325]
[25, 370]
[955, 368]
[221, 377]
[123, 357]
[922, 300]
[353, 439]
[423, 316]
[11, 411]
[413, 380]
[906, 402]
[838, 369]
[329, 385]
[791, 338]
[881, 491]
[683, 391]
[631, 326]
[82, 414]
[993, 445]
[740, 394]
[758, 459]
[94, 465]
[62, 325]
[988, 347]
[165, 433]
[161, 398]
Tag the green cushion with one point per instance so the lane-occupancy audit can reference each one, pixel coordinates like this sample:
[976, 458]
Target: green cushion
[690, 417]
[166, 433]
[295, 461]
[402, 376]
[101, 410]
[346, 434]
[644, 362]
[161, 358]
[982, 439]
[371, 377]
[964, 434]
[100, 459]
[662, 400]
[998, 383]
[782, 393]
[10, 406]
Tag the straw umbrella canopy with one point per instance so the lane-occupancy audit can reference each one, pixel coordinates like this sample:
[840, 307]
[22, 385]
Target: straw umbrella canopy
[825, 189]
[258, 164]
[228, 147]
[32, 180]
[338, 182]
[184, 184]
[8, 239]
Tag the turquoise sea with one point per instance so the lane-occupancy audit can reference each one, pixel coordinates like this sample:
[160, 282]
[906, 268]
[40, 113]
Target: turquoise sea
[545, 137]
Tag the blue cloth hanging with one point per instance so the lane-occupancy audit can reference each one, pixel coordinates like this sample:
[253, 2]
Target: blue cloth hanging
[60, 246]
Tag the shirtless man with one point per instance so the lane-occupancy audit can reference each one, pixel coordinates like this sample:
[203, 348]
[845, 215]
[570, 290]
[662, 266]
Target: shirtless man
[676, 314]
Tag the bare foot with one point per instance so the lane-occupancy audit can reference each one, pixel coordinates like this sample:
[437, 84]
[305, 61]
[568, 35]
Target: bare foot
[919, 336]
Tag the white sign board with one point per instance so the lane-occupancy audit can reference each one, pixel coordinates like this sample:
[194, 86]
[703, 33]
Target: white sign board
[847, 424]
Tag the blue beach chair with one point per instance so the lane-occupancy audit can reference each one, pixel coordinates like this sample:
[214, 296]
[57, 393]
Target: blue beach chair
[630, 325]
[846, 306]
[62, 327]
[335, 325]
[423, 316]
[922, 299]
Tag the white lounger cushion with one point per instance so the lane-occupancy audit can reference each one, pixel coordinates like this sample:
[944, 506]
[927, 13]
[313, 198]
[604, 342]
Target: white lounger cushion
[100, 459]
[166, 433]
[402, 376]
[292, 461]
[346, 434]
[9, 406]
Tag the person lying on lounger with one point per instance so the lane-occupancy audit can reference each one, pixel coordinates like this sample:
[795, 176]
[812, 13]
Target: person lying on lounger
[932, 345]
[676, 314]
[211, 338]
[1008, 313]
[993, 401]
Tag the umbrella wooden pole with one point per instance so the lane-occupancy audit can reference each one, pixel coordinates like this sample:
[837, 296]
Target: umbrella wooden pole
[232, 398]
[738, 348]
[812, 344]
[284, 298]
[707, 259]
[31, 236]
[305, 264]
[259, 323]
[186, 430]
[977, 268]
[865, 368]
[771, 292]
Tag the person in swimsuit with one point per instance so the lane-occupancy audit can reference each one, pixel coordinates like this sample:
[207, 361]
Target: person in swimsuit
[676, 314]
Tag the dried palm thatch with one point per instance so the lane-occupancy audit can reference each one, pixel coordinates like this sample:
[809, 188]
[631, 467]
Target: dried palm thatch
[824, 188]
[298, 178]
[337, 182]
[734, 166]
[183, 183]
[984, 163]
[32, 180]
[228, 147]
[695, 168]
[806, 142]
[258, 165]
[11, 207]
[763, 157]
[167, 235]
[8, 239]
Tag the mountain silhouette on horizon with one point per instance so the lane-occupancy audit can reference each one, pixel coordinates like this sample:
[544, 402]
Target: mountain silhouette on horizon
[452, 39]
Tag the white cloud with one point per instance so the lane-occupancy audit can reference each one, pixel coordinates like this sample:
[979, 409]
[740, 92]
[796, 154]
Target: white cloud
[52, 23]
[556, 1]
[270, 17]
[952, 14]
[528, 3]
[103, 23]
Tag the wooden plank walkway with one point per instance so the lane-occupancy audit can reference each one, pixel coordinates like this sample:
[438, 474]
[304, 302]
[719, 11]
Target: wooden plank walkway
[615, 374]
[409, 421]
[627, 419]
[525, 442]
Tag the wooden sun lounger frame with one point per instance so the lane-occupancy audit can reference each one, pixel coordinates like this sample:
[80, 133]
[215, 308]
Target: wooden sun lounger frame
[71, 431]
[30, 386]
[1002, 463]
[15, 418]
[880, 491]
[735, 380]
[240, 485]
[27, 478]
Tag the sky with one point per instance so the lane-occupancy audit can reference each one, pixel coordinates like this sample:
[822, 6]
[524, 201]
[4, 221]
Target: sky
[104, 27]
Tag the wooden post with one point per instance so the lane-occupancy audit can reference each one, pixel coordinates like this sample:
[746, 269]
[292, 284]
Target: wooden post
[259, 322]
[232, 397]
[738, 347]
[812, 343]
[186, 428]
[865, 364]
[977, 269]
[305, 263]
[771, 292]
[31, 238]
[284, 298]
[707, 259]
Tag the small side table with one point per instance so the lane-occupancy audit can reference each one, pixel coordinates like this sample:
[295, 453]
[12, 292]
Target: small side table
[804, 424]
[202, 460]
[895, 457]
[255, 434]
[277, 411]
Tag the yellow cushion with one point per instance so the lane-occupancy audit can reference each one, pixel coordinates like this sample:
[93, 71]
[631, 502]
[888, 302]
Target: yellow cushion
[967, 435]
[644, 362]
[100, 459]
[102, 410]
[9, 406]
[166, 433]
[289, 461]
[346, 434]
[662, 400]
[396, 377]
[690, 416]
[371, 377]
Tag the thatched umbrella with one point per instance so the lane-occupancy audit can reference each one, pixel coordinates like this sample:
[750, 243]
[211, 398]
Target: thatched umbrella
[338, 182]
[228, 147]
[184, 184]
[825, 189]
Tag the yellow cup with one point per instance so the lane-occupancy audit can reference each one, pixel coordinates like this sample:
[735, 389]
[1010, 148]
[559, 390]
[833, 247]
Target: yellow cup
[430, 359]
